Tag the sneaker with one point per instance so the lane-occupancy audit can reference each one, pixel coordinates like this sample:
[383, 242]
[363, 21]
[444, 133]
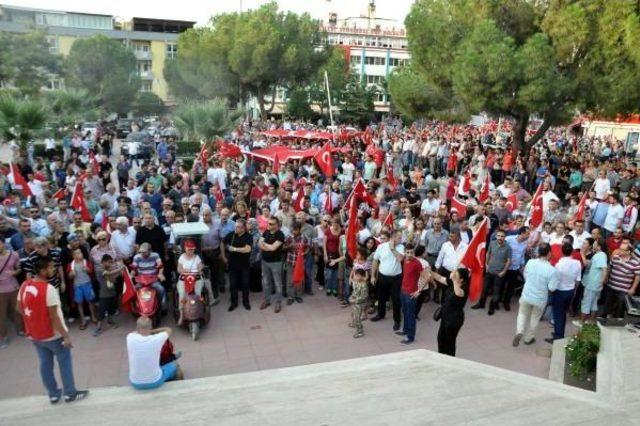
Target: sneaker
[530, 342]
[290, 301]
[299, 299]
[264, 305]
[549, 340]
[577, 323]
[406, 342]
[320, 288]
[78, 396]
[54, 399]
[516, 340]
[358, 335]
[396, 326]
[97, 331]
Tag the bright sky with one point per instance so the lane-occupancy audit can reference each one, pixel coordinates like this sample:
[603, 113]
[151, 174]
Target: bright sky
[202, 10]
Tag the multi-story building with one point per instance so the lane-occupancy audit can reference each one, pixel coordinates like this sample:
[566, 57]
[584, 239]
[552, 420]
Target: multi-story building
[152, 40]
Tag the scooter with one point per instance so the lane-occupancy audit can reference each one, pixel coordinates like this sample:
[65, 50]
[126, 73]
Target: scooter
[147, 303]
[196, 313]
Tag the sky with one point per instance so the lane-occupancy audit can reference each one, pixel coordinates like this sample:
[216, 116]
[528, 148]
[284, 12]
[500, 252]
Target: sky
[202, 10]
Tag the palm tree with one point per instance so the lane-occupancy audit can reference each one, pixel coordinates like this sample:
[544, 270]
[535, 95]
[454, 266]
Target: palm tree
[21, 120]
[71, 106]
[205, 120]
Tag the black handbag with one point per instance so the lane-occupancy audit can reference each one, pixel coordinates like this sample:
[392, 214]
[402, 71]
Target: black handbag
[437, 314]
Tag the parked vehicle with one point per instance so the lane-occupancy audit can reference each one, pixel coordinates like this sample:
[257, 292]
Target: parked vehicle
[123, 128]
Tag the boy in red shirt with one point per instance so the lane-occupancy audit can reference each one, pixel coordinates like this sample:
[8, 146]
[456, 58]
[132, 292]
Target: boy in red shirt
[411, 270]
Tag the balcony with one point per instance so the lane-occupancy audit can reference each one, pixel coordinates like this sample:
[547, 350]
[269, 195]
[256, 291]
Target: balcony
[141, 55]
[145, 75]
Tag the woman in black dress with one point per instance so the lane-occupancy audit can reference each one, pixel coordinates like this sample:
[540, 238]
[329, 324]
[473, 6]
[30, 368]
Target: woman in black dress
[456, 292]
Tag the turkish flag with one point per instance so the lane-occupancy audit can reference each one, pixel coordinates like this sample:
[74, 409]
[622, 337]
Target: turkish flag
[203, 156]
[484, 192]
[229, 150]
[582, 205]
[388, 221]
[276, 164]
[59, 194]
[298, 204]
[297, 277]
[328, 203]
[128, 290]
[458, 206]
[466, 185]
[352, 230]
[19, 182]
[474, 259]
[536, 208]
[324, 160]
[390, 178]
[94, 163]
[512, 202]
[78, 203]
[359, 193]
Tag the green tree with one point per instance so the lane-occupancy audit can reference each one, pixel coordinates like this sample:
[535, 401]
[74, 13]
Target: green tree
[25, 61]
[357, 105]
[249, 53]
[205, 120]
[71, 106]
[21, 119]
[298, 104]
[337, 69]
[524, 58]
[148, 103]
[105, 68]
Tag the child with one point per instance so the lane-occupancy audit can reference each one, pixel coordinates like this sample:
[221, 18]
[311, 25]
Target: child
[360, 262]
[108, 301]
[80, 271]
[358, 299]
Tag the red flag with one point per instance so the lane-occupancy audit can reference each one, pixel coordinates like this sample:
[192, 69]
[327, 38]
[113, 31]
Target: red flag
[203, 156]
[388, 221]
[323, 158]
[276, 164]
[458, 206]
[484, 192]
[78, 203]
[59, 194]
[94, 163]
[128, 290]
[474, 259]
[328, 203]
[297, 277]
[512, 202]
[466, 185]
[298, 204]
[352, 230]
[390, 178]
[229, 150]
[19, 182]
[360, 193]
[536, 208]
[105, 220]
[582, 205]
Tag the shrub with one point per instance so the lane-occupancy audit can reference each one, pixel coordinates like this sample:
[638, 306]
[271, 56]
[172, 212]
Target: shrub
[582, 350]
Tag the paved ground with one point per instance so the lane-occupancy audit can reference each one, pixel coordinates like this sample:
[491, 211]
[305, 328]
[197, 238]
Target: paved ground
[241, 341]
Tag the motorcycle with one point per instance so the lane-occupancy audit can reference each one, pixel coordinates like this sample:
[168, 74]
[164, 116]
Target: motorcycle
[196, 313]
[147, 303]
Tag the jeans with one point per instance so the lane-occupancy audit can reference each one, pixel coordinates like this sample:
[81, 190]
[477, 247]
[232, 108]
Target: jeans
[531, 314]
[308, 273]
[409, 315]
[272, 276]
[239, 280]
[331, 278]
[493, 284]
[560, 302]
[46, 352]
[293, 291]
[389, 287]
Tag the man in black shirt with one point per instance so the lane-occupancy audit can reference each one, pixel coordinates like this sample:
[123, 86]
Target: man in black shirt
[271, 248]
[235, 252]
[152, 234]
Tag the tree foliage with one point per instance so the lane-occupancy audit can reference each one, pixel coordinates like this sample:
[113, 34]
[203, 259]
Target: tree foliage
[205, 120]
[106, 69]
[522, 58]
[249, 53]
[357, 105]
[71, 106]
[148, 103]
[25, 61]
[21, 119]
[338, 72]
[298, 104]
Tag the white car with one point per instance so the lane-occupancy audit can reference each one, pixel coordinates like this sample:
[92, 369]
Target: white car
[89, 127]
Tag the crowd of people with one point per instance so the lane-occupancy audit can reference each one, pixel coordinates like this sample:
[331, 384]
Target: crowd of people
[263, 216]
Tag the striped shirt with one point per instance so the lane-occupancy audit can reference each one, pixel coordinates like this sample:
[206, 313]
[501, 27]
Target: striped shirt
[54, 255]
[623, 272]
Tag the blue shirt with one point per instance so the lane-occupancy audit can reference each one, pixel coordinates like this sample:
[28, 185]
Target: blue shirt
[592, 279]
[539, 279]
[600, 213]
[226, 228]
[518, 250]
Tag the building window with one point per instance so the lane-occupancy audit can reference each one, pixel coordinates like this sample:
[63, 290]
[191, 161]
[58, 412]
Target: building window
[356, 60]
[172, 50]
[374, 60]
[374, 79]
[145, 86]
[55, 84]
[379, 97]
[52, 41]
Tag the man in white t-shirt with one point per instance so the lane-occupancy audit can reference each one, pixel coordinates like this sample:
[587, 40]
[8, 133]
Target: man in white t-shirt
[614, 217]
[144, 347]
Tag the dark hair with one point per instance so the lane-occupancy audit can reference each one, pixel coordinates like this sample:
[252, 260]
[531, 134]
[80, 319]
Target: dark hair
[419, 251]
[567, 249]
[106, 258]
[409, 246]
[360, 272]
[41, 264]
[544, 249]
[523, 230]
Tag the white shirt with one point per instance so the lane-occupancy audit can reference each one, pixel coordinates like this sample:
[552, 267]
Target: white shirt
[389, 264]
[123, 244]
[218, 175]
[449, 257]
[347, 171]
[190, 265]
[144, 357]
[430, 207]
[546, 198]
[601, 186]
[615, 213]
[578, 240]
[50, 143]
[569, 272]
[632, 220]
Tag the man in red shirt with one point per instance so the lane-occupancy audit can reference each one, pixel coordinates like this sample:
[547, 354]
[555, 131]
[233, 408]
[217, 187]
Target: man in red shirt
[411, 270]
[39, 304]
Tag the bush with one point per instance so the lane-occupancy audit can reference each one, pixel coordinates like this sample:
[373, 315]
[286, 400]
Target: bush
[188, 148]
[582, 350]
[38, 151]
